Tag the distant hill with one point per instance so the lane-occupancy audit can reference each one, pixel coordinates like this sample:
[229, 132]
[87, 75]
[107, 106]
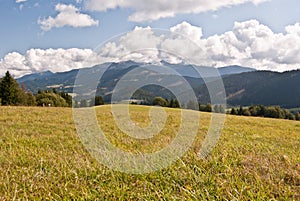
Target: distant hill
[231, 70]
[35, 76]
[189, 70]
[244, 86]
[267, 88]
[260, 87]
[65, 80]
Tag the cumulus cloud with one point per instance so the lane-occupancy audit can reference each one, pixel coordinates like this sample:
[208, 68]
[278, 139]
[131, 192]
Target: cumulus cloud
[192, 32]
[249, 43]
[38, 60]
[156, 9]
[68, 15]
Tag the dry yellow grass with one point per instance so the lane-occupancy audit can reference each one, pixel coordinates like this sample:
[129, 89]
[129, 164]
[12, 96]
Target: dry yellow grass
[41, 157]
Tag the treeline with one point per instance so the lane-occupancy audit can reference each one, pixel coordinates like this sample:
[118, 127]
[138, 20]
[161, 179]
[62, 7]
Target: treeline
[263, 111]
[53, 98]
[95, 101]
[14, 95]
[256, 111]
[174, 103]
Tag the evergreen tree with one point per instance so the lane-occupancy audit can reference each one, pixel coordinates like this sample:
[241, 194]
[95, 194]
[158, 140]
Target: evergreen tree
[171, 103]
[233, 111]
[240, 111]
[176, 104]
[167, 103]
[99, 100]
[8, 90]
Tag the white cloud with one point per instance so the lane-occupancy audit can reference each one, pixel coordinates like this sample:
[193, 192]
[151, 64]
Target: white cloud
[249, 43]
[68, 15]
[192, 32]
[20, 1]
[156, 9]
[293, 29]
[38, 60]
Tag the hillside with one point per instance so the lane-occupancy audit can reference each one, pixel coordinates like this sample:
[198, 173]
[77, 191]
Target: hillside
[65, 80]
[43, 158]
[243, 86]
[260, 87]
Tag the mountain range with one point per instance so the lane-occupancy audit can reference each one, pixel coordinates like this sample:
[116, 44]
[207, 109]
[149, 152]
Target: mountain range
[244, 86]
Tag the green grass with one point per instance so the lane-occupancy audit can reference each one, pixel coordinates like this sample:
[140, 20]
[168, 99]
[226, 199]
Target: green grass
[42, 158]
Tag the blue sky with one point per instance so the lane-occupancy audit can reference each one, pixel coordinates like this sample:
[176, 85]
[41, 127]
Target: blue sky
[22, 29]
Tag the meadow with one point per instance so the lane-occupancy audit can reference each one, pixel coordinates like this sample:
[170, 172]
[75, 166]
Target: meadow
[42, 158]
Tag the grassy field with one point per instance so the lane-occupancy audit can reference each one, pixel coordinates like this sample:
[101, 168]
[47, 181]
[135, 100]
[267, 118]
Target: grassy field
[42, 158]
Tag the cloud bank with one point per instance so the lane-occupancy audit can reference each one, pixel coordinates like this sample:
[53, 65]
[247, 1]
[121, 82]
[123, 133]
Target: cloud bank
[68, 15]
[249, 43]
[38, 60]
[156, 9]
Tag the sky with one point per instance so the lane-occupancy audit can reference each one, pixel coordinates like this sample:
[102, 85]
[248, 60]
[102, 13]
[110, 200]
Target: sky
[38, 35]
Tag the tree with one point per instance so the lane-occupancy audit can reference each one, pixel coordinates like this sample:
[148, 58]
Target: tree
[261, 111]
[67, 98]
[297, 116]
[233, 111]
[25, 98]
[54, 91]
[160, 102]
[216, 109]
[240, 111]
[253, 110]
[8, 90]
[171, 103]
[99, 100]
[291, 116]
[50, 98]
[246, 112]
[30, 99]
[176, 104]
[208, 108]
